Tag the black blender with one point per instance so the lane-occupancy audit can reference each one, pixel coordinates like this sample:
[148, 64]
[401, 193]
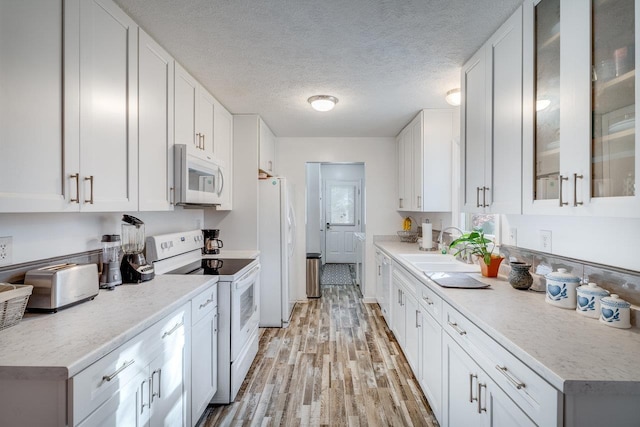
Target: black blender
[134, 267]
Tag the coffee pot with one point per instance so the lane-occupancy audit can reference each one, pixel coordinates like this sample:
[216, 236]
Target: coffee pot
[212, 243]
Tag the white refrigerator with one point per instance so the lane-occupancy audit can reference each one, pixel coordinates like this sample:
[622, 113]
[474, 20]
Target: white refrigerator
[276, 241]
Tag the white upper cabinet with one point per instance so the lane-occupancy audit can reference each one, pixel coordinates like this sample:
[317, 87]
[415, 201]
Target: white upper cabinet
[108, 108]
[424, 162]
[34, 169]
[155, 125]
[194, 113]
[223, 140]
[267, 149]
[580, 142]
[491, 133]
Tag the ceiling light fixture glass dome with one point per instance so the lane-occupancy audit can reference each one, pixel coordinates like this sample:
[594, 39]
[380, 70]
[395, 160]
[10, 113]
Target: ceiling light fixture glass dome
[323, 102]
[453, 97]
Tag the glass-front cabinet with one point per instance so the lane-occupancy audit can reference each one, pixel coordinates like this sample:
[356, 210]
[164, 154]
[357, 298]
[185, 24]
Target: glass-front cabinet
[580, 140]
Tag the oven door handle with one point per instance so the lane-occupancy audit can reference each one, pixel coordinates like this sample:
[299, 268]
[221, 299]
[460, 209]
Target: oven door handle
[248, 279]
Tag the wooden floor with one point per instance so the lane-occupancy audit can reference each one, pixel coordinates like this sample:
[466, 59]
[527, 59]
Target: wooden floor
[336, 364]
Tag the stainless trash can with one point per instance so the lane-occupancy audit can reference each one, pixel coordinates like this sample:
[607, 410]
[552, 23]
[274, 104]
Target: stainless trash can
[314, 260]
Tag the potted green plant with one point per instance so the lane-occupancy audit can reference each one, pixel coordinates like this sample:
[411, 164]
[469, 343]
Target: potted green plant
[477, 244]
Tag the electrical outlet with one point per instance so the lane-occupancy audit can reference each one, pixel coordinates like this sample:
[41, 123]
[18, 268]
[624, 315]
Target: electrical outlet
[545, 240]
[513, 236]
[6, 250]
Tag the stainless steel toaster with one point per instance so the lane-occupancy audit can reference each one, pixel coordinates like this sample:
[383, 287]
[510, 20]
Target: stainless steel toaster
[62, 285]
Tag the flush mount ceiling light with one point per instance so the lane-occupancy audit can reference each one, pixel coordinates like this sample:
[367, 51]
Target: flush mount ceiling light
[453, 97]
[323, 102]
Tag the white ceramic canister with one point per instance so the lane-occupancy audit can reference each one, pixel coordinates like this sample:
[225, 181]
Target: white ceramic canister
[588, 301]
[615, 312]
[561, 289]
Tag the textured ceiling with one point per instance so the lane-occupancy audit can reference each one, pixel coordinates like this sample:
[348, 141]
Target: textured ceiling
[383, 59]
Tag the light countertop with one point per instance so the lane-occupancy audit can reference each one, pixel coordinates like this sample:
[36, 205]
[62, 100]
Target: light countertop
[59, 345]
[573, 353]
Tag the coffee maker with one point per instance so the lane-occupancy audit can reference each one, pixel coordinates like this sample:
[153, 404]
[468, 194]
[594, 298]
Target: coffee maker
[110, 276]
[134, 267]
[212, 244]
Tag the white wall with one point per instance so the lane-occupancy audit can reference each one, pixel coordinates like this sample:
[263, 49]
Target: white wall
[45, 235]
[379, 158]
[312, 213]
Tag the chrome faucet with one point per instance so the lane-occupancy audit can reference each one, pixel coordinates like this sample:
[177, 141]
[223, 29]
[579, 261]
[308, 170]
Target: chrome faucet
[440, 247]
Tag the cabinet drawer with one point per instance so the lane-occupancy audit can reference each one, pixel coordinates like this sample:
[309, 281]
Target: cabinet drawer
[430, 301]
[529, 391]
[400, 275]
[204, 303]
[97, 383]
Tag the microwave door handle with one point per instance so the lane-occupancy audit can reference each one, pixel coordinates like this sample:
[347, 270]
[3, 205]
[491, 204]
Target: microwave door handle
[221, 182]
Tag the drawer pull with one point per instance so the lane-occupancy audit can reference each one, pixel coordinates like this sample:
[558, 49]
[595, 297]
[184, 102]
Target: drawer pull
[175, 328]
[457, 328]
[513, 380]
[206, 303]
[429, 302]
[124, 366]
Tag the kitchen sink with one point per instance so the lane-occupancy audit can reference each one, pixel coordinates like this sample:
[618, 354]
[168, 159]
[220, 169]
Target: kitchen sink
[439, 262]
[428, 257]
[455, 266]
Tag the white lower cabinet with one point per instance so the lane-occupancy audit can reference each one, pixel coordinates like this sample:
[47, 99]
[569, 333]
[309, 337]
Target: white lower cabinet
[466, 376]
[142, 383]
[471, 398]
[204, 351]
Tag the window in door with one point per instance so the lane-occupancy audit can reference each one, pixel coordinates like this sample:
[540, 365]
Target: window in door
[342, 205]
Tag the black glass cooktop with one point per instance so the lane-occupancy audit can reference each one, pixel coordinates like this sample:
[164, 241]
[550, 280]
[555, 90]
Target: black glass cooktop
[223, 266]
[214, 266]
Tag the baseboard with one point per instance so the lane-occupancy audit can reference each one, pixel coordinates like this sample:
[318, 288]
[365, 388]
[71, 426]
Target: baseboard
[369, 300]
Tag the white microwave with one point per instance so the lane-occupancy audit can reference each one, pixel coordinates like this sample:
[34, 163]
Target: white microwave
[199, 180]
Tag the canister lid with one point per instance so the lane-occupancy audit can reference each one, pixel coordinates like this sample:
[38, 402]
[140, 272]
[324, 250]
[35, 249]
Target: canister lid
[562, 276]
[111, 238]
[615, 301]
[592, 289]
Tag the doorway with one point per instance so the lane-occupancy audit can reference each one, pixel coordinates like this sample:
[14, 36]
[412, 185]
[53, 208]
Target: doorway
[335, 218]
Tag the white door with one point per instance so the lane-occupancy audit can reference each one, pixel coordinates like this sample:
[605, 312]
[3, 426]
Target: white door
[342, 216]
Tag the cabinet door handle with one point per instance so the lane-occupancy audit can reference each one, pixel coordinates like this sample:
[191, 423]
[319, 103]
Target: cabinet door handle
[513, 380]
[401, 203]
[196, 140]
[76, 176]
[419, 201]
[124, 366]
[560, 179]
[172, 330]
[215, 323]
[204, 141]
[379, 270]
[478, 205]
[575, 189]
[484, 197]
[159, 393]
[457, 328]
[480, 408]
[142, 404]
[90, 179]
[172, 196]
[417, 318]
[428, 301]
[471, 377]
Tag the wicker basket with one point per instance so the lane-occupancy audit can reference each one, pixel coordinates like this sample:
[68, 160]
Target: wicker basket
[13, 301]
[408, 236]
